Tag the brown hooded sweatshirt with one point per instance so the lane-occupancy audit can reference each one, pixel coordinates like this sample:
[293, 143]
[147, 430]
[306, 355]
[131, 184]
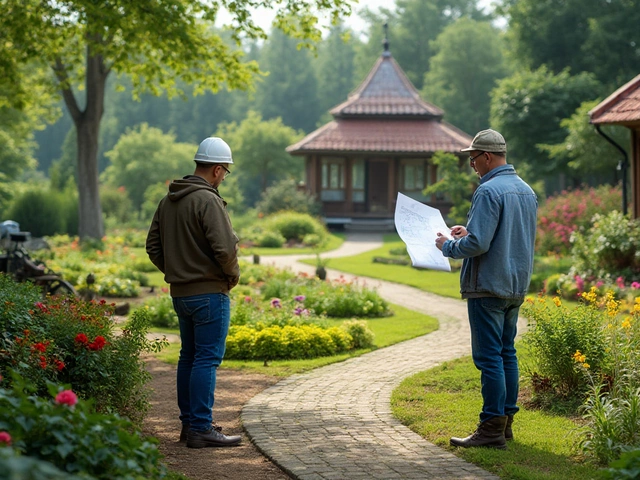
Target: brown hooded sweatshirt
[191, 240]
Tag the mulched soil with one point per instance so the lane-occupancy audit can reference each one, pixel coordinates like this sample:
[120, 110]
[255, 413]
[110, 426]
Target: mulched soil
[233, 389]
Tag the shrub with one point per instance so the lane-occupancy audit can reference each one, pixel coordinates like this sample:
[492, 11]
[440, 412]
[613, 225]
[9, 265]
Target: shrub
[270, 239]
[161, 313]
[41, 212]
[361, 334]
[627, 467]
[294, 226]
[116, 204]
[73, 438]
[285, 195]
[609, 249]
[561, 215]
[73, 342]
[14, 465]
[555, 334]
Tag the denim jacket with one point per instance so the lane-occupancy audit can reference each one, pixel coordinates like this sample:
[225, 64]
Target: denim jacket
[501, 226]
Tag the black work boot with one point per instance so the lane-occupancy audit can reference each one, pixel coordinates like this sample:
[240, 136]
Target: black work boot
[211, 438]
[184, 432]
[508, 432]
[489, 433]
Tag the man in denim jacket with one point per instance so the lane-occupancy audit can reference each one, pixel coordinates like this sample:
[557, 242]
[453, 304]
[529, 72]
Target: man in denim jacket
[497, 246]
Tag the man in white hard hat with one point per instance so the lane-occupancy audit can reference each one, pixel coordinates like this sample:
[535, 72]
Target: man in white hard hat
[192, 242]
[497, 246]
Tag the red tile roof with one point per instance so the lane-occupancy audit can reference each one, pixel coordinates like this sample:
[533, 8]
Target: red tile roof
[621, 107]
[377, 135]
[386, 92]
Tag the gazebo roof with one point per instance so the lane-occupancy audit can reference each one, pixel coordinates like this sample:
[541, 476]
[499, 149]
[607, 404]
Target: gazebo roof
[384, 114]
[384, 136]
[621, 107]
[386, 92]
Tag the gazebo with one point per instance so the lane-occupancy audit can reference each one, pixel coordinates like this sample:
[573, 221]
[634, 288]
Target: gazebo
[379, 143]
[622, 107]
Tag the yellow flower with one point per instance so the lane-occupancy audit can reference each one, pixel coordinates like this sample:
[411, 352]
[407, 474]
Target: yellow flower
[612, 305]
[586, 365]
[557, 301]
[591, 296]
[626, 323]
[579, 357]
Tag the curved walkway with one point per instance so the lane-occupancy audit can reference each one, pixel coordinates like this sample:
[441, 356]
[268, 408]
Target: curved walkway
[335, 422]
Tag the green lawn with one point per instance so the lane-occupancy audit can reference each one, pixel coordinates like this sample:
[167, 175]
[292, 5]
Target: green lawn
[403, 325]
[445, 401]
[442, 283]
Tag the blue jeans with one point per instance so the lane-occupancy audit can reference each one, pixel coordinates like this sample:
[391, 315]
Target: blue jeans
[494, 323]
[204, 324]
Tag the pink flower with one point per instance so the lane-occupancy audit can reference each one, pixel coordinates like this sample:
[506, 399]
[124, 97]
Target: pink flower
[299, 298]
[247, 299]
[5, 438]
[620, 282]
[67, 397]
[579, 283]
[635, 285]
[275, 303]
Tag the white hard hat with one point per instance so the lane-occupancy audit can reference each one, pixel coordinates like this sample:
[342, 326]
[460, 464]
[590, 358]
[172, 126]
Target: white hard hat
[213, 150]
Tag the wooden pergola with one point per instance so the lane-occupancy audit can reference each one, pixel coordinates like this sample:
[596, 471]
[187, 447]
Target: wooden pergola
[380, 142]
[622, 107]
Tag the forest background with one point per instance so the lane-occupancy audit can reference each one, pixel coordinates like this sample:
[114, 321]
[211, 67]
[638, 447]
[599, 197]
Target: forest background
[531, 69]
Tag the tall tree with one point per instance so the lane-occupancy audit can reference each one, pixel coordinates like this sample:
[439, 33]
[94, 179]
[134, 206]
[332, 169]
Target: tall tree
[527, 108]
[335, 68]
[599, 36]
[259, 154]
[290, 90]
[154, 43]
[413, 25]
[467, 62]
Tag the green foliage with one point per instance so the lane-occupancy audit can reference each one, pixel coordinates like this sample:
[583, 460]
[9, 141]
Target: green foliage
[116, 204]
[139, 149]
[285, 195]
[152, 196]
[361, 334]
[583, 35]
[73, 342]
[294, 226]
[571, 211]
[73, 438]
[583, 149]
[627, 467]
[462, 47]
[270, 239]
[456, 182]
[43, 212]
[609, 249]
[259, 153]
[160, 311]
[555, 334]
[527, 108]
[15, 465]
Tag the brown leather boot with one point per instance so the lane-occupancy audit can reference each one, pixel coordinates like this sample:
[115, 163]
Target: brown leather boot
[508, 432]
[489, 433]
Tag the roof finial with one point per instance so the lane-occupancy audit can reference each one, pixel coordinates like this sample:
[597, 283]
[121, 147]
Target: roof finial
[385, 42]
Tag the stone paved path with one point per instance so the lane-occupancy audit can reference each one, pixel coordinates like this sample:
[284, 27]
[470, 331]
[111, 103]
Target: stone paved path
[335, 422]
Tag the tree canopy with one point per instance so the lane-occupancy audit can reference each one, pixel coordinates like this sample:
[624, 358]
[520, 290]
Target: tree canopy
[154, 43]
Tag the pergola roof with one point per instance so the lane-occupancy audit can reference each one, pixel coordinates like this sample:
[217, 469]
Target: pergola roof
[384, 114]
[388, 136]
[621, 107]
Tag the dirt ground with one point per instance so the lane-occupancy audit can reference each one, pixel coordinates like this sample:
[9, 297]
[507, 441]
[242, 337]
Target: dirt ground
[233, 389]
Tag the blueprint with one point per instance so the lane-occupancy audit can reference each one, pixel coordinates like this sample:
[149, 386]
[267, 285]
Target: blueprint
[418, 225]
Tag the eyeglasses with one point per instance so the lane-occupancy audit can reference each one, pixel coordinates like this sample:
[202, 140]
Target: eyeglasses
[227, 171]
[472, 160]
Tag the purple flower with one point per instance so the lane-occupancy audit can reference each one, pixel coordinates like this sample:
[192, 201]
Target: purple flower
[275, 303]
[299, 298]
[297, 311]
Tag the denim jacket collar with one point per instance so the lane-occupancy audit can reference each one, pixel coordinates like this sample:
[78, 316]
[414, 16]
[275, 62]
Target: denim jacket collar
[508, 168]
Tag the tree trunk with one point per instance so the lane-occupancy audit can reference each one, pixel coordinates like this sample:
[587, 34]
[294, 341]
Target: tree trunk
[90, 212]
[87, 125]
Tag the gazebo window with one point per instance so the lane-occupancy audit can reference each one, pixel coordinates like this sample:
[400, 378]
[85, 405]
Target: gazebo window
[332, 179]
[413, 175]
[357, 176]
